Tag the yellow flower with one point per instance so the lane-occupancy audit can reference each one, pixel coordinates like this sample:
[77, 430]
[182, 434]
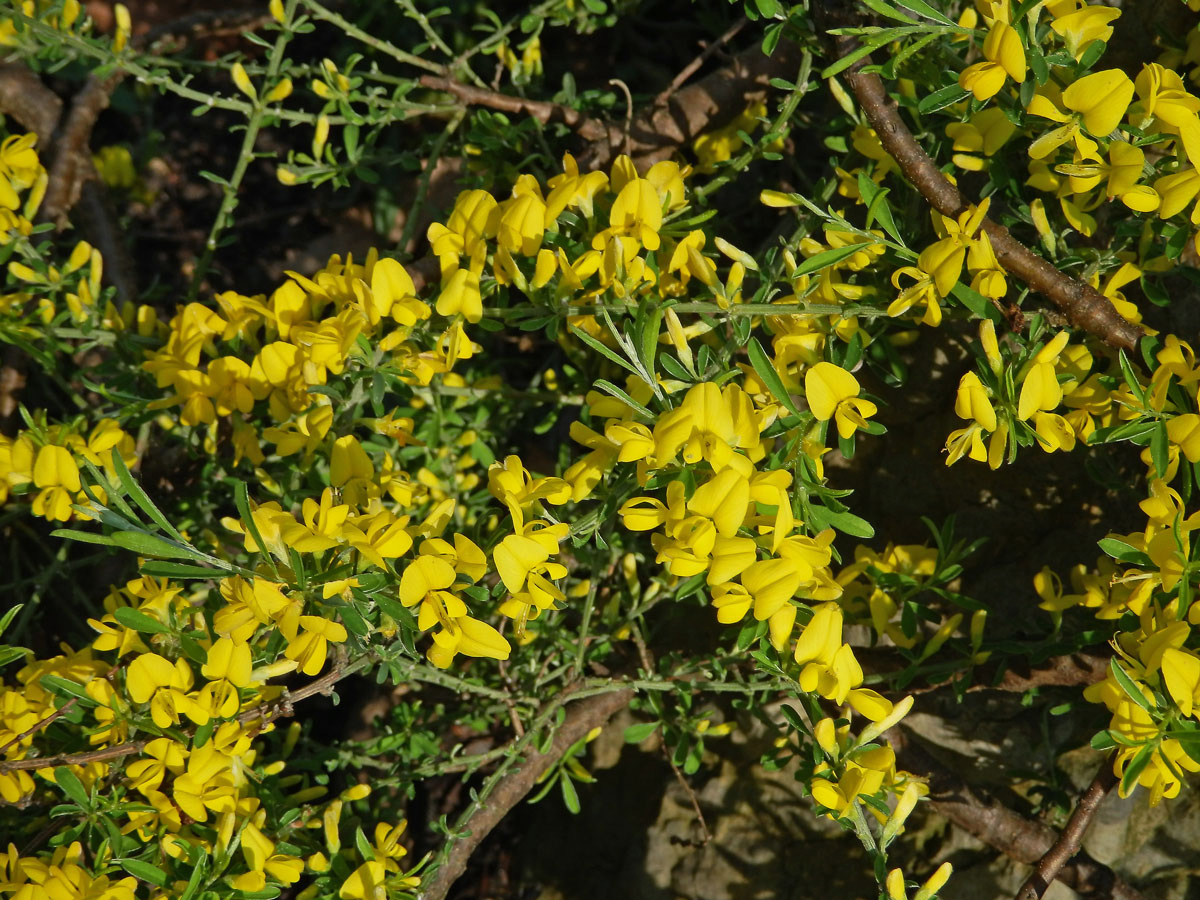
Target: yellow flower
[1096, 102]
[310, 648]
[833, 393]
[57, 475]
[243, 82]
[1005, 56]
[1080, 28]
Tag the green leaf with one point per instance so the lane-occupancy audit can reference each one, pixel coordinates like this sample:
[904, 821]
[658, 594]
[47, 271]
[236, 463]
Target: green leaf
[139, 621]
[1136, 767]
[602, 350]
[162, 569]
[845, 522]
[635, 734]
[649, 338]
[921, 8]
[1160, 449]
[766, 371]
[1103, 740]
[60, 686]
[242, 498]
[8, 617]
[84, 537]
[1128, 685]
[570, 795]
[197, 876]
[1123, 552]
[879, 210]
[609, 388]
[12, 654]
[139, 496]
[887, 10]
[941, 98]
[146, 544]
[1131, 379]
[144, 871]
[69, 783]
[826, 258]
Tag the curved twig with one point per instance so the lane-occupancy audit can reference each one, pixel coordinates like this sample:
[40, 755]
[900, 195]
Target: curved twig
[1084, 306]
[1024, 840]
[582, 718]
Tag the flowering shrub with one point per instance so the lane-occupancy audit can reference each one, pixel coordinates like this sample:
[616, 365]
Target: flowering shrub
[383, 487]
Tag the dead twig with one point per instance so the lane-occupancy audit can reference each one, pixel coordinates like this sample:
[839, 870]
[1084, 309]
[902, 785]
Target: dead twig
[543, 111]
[1084, 306]
[1024, 840]
[582, 718]
[259, 716]
[690, 69]
[1068, 843]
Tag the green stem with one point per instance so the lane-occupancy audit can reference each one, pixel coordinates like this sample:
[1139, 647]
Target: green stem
[384, 47]
[410, 225]
[229, 201]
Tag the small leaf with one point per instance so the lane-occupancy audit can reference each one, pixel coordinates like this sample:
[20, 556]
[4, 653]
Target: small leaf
[145, 544]
[766, 371]
[139, 496]
[70, 785]
[1136, 767]
[601, 349]
[1128, 685]
[827, 258]
[144, 871]
[570, 795]
[139, 621]
[635, 734]
[941, 98]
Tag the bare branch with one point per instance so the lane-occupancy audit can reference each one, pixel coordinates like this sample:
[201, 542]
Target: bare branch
[582, 718]
[1068, 843]
[990, 821]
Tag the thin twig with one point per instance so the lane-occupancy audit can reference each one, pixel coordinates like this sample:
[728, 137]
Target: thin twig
[260, 716]
[1084, 306]
[545, 112]
[690, 69]
[990, 821]
[1069, 841]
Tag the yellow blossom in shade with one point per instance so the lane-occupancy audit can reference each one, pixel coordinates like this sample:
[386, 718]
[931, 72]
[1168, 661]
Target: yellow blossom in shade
[243, 82]
[1096, 102]
[832, 392]
[1040, 389]
[1081, 27]
[1005, 57]
[985, 132]
[973, 402]
[56, 473]
[460, 295]
[310, 647]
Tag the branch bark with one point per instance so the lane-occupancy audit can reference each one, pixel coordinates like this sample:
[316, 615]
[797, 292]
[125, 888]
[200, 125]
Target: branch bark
[988, 820]
[1067, 845]
[582, 718]
[1084, 306]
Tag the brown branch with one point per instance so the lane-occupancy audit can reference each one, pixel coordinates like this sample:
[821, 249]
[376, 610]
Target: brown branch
[582, 718]
[261, 716]
[1069, 841]
[690, 69]
[1084, 306]
[23, 96]
[544, 112]
[1024, 840]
